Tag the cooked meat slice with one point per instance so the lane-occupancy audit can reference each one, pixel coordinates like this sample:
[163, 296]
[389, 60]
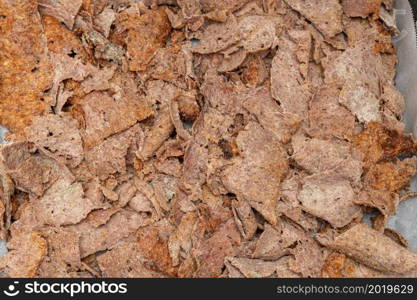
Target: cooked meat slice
[63, 10]
[325, 15]
[253, 268]
[391, 176]
[121, 225]
[26, 71]
[102, 116]
[145, 35]
[125, 261]
[330, 198]
[26, 253]
[109, 157]
[63, 204]
[364, 104]
[373, 249]
[378, 143]
[58, 137]
[287, 85]
[361, 8]
[328, 118]
[32, 173]
[316, 155]
[270, 115]
[257, 174]
[216, 37]
[277, 241]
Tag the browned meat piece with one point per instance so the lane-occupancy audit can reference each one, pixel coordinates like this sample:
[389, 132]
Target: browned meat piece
[211, 253]
[125, 261]
[287, 84]
[109, 157]
[326, 15]
[63, 254]
[26, 71]
[121, 225]
[302, 262]
[373, 249]
[229, 5]
[33, 173]
[378, 143]
[255, 71]
[58, 137]
[270, 115]
[383, 183]
[25, 256]
[361, 8]
[391, 176]
[102, 116]
[257, 33]
[240, 267]
[358, 63]
[244, 218]
[145, 35]
[63, 204]
[317, 155]
[63, 10]
[328, 118]
[216, 37]
[330, 198]
[364, 104]
[162, 129]
[386, 202]
[277, 241]
[338, 265]
[257, 174]
[61, 40]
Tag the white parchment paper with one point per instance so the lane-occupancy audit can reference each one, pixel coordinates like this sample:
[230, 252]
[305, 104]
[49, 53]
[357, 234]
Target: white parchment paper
[405, 221]
[3, 248]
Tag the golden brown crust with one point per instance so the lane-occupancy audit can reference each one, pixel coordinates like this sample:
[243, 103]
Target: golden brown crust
[26, 72]
[145, 35]
[379, 143]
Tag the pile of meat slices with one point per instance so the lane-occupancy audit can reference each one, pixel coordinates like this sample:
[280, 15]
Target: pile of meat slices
[202, 138]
